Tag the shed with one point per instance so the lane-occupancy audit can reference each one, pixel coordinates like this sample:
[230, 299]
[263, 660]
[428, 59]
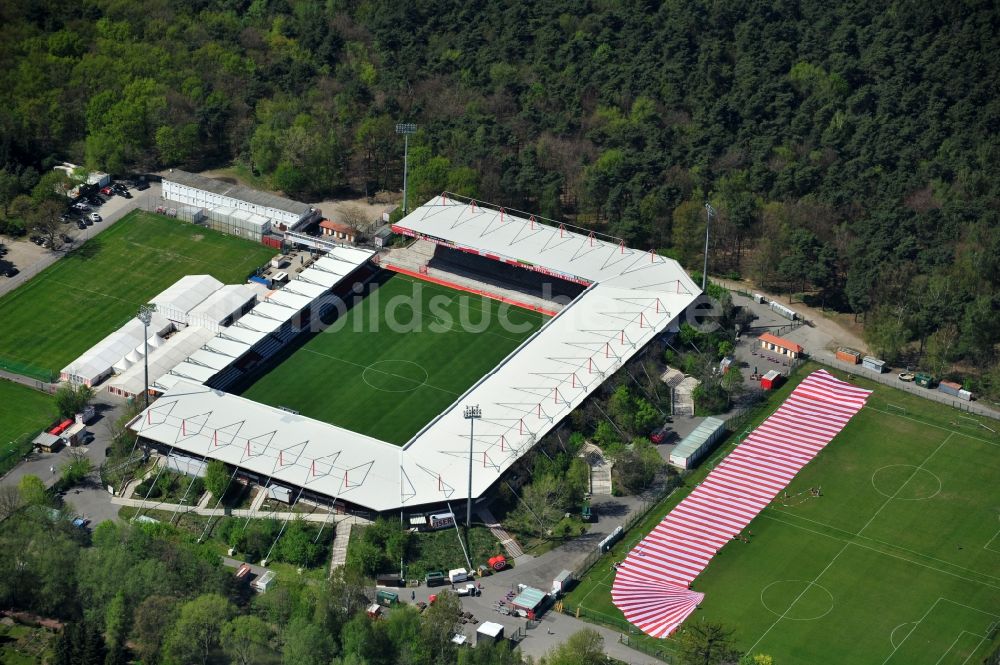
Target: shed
[780, 345]
[693, 448]
[530, 600]
[279, 493]
[382, 236]
[848, 355]
[771, 380]
[263, 583]
[47, 443]
[874, 364]
[490, 632]
[338, 231]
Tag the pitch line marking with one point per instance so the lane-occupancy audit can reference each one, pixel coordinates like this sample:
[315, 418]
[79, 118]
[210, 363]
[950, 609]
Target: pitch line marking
[878, 551]
[915, 625]
[808, 584]
[974, 649]
[919, 498]
[893, 632]
[889, 500]
[814, 580]
[883, 542]
[365, 367]
[921, 422]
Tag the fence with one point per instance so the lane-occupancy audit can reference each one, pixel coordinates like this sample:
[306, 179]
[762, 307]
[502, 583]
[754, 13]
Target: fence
[30, 371]
[927, 393]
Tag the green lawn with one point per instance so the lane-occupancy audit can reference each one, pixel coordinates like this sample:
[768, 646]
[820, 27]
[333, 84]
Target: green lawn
[93, 290]
[389, 381]
[23, 412]
[897, 562]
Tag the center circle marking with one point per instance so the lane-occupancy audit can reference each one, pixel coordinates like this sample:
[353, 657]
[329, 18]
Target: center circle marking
[928, 484]
[796, 590]
[394, 376]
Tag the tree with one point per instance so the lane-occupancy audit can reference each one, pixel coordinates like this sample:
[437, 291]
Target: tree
[198, 629]
[582, 648]
[72, 399]
[32, 491]
[76, 469]
[216, 478]
[305, 644]
[706, 643]
[44, 220]
[354, 216]
[439, 625]
[244, 638]
[10, 501]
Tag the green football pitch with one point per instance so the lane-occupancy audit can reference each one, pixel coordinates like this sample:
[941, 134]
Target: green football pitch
[23, 412]
[396, 360]
[898, 560]
[94, 289]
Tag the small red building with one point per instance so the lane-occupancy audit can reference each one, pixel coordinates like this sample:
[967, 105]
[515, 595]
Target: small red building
[771, 380]
[779, 345]
[338, 231]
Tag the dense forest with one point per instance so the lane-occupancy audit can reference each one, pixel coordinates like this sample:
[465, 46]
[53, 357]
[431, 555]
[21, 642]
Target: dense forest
[850, 149]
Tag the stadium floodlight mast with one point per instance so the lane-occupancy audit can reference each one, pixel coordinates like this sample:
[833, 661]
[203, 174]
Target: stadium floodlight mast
[709, 210]
[146, 316]
[471, 413]
[405, 128]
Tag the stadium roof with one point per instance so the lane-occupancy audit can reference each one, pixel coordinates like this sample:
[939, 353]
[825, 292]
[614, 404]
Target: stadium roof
[162, 359]
[632, 296]
[238, 192]
[217, 307]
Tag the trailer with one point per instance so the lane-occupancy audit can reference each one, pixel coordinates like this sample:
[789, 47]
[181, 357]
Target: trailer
[874, 364]
[955, 390]
[771, 380]
[849, 356]
[781, 310]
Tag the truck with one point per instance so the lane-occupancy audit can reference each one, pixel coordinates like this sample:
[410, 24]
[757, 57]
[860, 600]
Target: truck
[456, 575]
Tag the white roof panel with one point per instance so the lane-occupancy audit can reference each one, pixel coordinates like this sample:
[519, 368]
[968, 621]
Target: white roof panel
[224, 302]
[632, 296]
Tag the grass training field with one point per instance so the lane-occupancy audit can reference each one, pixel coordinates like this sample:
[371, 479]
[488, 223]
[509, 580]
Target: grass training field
[897, 562]
[388, 381]
[23, 411]
[94, 289]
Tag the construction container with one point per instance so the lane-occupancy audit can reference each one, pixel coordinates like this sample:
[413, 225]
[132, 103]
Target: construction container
[848, 356]
[874, 364]
[950, 388]
[781, 310]
[758, 298]
[771, 380]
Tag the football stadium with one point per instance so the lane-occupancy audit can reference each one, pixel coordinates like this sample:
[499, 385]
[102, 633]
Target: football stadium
[373, 386]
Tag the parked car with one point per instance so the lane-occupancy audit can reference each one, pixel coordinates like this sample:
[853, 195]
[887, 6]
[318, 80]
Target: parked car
[82, 207]
[88, 221]
[94, 217]
[126, 194]
[107, 191]
[66, 238]
[142, 186]
[11, 271]
[80, 224]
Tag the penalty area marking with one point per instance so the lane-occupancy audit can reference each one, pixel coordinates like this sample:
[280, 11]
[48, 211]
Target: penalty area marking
[892, 635]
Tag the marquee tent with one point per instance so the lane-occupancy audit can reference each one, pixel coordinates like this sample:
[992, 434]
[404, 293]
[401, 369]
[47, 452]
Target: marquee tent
[652, 584]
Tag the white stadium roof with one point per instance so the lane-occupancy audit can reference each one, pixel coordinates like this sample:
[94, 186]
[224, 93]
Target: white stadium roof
[182, 296]
[218, 306]
[632, 296]
[99, 359]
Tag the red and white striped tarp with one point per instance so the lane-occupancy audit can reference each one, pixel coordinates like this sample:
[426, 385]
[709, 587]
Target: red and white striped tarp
[652, 584]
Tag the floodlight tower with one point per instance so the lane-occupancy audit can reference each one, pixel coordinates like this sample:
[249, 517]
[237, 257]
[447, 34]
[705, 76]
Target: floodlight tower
[709, 210]
[405, 128]
[471, 413]
[146, 316]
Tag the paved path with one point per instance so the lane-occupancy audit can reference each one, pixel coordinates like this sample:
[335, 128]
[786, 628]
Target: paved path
[513, 548]
[338, 555]
[116, 208]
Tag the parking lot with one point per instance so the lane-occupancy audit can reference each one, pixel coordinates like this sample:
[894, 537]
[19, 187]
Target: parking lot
[30, 259]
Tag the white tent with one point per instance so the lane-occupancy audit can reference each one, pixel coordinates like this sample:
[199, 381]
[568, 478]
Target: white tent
[99, 360]
[182, 296]
[161, 360]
